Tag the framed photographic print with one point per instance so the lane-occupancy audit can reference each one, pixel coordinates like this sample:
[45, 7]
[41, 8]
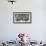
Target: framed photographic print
[22, 17]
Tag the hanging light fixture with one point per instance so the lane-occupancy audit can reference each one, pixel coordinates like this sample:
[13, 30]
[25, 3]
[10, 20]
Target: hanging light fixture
[12, 1]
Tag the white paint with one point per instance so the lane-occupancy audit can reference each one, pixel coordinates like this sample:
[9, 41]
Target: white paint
[37, 28]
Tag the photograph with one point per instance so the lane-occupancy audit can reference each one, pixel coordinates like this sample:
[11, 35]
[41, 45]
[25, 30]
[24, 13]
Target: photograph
[22, 17]
[22, 22]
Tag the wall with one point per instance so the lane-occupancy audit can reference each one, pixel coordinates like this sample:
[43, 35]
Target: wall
[37, 28]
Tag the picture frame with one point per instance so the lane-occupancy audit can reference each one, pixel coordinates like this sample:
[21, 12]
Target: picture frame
[22, 17]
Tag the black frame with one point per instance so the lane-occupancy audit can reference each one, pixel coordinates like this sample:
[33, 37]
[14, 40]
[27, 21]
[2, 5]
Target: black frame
[22, 22]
